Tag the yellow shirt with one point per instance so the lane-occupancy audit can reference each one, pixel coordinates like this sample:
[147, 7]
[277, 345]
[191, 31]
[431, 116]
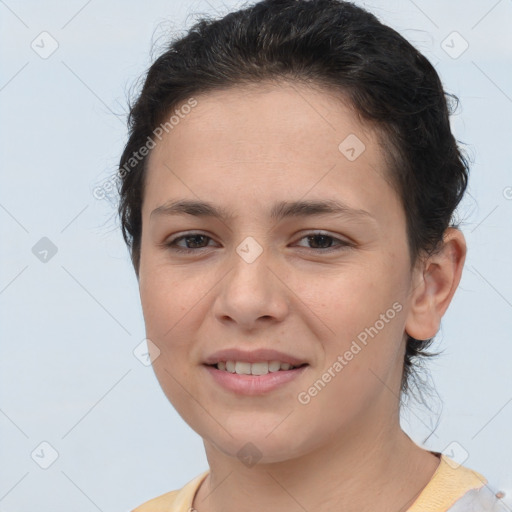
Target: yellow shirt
[452, 488]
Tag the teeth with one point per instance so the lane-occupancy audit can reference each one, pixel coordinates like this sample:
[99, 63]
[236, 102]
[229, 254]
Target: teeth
[243, 368]
[261, 368]
[274, 366]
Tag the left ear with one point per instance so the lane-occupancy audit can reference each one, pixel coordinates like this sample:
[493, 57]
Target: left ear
[435, 280]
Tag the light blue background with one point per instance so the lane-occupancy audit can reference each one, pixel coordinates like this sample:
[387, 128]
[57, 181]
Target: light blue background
[69, 326]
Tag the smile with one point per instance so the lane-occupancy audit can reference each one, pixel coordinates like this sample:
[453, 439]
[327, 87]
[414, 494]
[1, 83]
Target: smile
[259, 368]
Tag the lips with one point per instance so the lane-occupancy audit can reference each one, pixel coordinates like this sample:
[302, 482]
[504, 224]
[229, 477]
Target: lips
[250, 385]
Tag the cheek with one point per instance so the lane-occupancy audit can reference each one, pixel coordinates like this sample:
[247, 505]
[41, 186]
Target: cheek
[167, 307]
[163, 307]
[363, 363]
[366, 314]
[354, 299]
[165, 297]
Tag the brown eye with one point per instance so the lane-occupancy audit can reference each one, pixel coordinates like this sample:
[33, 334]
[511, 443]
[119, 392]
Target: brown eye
[193, 241]
[324, 242]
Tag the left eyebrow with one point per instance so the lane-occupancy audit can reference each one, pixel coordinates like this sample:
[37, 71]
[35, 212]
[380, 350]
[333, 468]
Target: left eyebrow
[279, 210]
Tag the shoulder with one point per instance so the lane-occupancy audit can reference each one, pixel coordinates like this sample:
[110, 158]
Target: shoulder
[179, 500]
[456, 488]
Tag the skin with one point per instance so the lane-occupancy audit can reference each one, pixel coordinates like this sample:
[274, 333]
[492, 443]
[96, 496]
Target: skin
[245, 149]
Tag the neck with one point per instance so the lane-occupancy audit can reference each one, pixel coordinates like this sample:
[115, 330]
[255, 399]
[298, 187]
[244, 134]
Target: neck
[376, 464]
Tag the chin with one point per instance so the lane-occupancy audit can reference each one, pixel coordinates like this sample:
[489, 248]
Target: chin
[259, 446]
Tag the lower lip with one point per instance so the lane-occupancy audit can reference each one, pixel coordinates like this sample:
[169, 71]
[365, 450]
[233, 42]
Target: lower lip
[253, 384]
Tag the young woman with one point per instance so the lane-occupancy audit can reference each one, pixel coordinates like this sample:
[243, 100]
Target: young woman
[287, 196]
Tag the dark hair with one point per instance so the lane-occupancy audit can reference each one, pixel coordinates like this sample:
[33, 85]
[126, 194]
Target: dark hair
[327, 43]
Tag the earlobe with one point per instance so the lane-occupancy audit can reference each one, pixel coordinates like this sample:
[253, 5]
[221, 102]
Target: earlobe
[435, 280]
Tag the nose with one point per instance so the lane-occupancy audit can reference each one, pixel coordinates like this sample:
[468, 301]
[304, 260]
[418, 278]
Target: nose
[252, 293]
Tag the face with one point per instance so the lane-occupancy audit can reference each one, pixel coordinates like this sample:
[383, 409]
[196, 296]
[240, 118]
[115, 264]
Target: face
[330, 289]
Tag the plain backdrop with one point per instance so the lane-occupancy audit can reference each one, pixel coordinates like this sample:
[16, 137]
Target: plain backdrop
[74, 397]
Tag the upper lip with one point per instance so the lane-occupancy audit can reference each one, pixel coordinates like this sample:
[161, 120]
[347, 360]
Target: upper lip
[252, 356]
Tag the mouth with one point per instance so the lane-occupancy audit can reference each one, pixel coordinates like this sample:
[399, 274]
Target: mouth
[257, 378]
[256, 369]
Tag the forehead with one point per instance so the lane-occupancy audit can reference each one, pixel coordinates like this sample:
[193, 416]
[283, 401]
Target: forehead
[268, 118]
[271, 137]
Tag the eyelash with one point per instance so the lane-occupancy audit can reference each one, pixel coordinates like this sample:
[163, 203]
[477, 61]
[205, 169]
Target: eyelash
[172, 243]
